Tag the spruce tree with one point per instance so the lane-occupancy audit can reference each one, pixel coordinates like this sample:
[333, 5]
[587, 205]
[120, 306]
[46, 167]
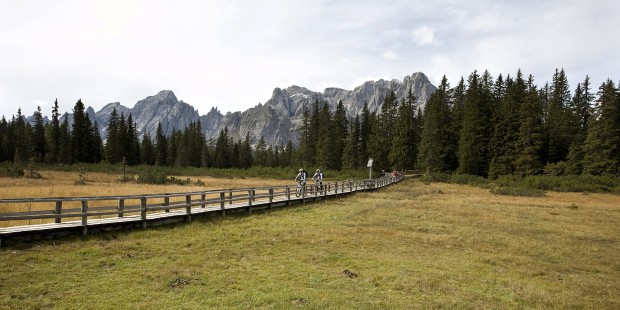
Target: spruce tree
[503, 144]
[435, 144]
[558, 124]
[80, 130]
[339, 135]
[477, 127]
[351, 154]
[161, 146]
[54, 135]
[403, 149]
[530, 140]
[39, 142]
[4, 137]
[325, 151]
[222, 150]
[366, 123]
[113, 147]
[147, 150]
[261, 157]
[64, 152]
[602, 145]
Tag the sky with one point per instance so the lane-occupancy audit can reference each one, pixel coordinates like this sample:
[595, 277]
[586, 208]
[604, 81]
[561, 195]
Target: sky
[232, 54]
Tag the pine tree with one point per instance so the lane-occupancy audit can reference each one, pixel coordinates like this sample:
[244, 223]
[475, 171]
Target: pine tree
[503, 144]
[325, 148]
[147, 150]
[64, 151]
[558, 124]
[261, 158]
[435, 144]
[22, 137]
[351, 154]
[366, 123]
[530, 140]
[582, 106]
[161, 147]
[113, 147]
[287, 154]
[80, 130]
[477, 125]
[380, 142]
[339, 135]
[304, 157]
[39, 142]
[602, 145]
[4, 137]
[404, 148]
[222, 150]
[54, 136]
[245, 153]
[96, 144]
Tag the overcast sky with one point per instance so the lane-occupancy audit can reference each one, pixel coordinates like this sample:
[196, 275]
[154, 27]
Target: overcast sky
[232, 54]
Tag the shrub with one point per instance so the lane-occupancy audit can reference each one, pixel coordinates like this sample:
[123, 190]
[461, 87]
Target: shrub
[518, 191]
[152, 177]
[11, 170]
[469, 179]
[436, 177]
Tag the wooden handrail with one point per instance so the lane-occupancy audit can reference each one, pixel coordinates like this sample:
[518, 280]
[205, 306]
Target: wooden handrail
[208, 201]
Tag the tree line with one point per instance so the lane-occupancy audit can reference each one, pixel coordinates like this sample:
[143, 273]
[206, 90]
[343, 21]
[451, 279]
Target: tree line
[483, 126]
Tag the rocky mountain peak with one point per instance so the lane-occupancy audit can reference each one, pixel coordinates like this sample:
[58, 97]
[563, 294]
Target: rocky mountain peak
[276, 120]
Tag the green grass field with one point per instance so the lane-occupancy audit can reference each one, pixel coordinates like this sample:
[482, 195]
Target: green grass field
[412, 245]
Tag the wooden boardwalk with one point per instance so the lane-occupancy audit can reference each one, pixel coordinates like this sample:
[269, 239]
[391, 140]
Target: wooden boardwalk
[61, 216]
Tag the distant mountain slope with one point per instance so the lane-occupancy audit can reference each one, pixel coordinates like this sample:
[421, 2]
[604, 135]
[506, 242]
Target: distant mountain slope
[276, 120]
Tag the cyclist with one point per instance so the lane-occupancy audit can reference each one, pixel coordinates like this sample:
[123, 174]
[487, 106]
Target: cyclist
[301, 179]
[318, 178]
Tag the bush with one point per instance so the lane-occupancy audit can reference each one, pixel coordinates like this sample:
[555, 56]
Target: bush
[152, 177]
[469, 179]
[556, 169]
[436, 177]
[518, 191]
[11, 170]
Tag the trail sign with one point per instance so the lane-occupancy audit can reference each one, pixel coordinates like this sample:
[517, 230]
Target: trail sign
[369, 165]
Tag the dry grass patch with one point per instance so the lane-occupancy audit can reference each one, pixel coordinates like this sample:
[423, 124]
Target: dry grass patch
[410, 245]
[63, 184]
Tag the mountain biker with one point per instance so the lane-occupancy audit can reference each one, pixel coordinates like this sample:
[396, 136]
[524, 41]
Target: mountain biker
[318, 178]
[302, 176]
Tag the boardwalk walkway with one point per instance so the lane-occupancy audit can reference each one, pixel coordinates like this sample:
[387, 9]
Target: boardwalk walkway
[83, 215]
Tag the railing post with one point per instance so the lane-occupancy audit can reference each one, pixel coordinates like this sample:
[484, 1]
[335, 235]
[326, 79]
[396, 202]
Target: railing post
[188, 208]
[203, 197]
[166, 203]
[84, 217]
[270, 198]
[288, 195]
[250, 199]
[230, 197]
[143, 211]
[336, 188]
[222, 203]
[121, 207]
[58, 211]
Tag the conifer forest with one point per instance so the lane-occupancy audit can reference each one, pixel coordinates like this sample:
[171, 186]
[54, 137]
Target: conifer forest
[486, 126]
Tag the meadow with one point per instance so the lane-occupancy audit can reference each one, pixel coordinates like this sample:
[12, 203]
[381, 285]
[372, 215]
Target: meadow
[412, 245]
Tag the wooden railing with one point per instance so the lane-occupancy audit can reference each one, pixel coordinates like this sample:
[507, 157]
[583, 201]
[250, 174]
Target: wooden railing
[80, 214]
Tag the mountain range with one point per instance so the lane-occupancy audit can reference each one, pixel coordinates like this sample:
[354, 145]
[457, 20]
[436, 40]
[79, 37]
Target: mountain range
[276, 120]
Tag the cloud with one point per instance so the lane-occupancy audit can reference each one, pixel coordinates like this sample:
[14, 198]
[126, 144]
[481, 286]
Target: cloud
[424, 36]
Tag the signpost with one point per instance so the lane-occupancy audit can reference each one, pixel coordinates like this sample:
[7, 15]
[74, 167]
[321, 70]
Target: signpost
[369, 165]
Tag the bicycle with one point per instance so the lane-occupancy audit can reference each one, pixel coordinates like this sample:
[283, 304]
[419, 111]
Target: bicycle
[318, 187]
[300, 189]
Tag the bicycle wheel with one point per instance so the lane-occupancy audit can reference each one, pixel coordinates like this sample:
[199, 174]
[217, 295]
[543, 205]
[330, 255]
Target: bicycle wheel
[298, 190]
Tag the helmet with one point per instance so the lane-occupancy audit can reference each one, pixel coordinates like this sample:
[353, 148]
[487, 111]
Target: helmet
[301, 169]
[318, 170]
